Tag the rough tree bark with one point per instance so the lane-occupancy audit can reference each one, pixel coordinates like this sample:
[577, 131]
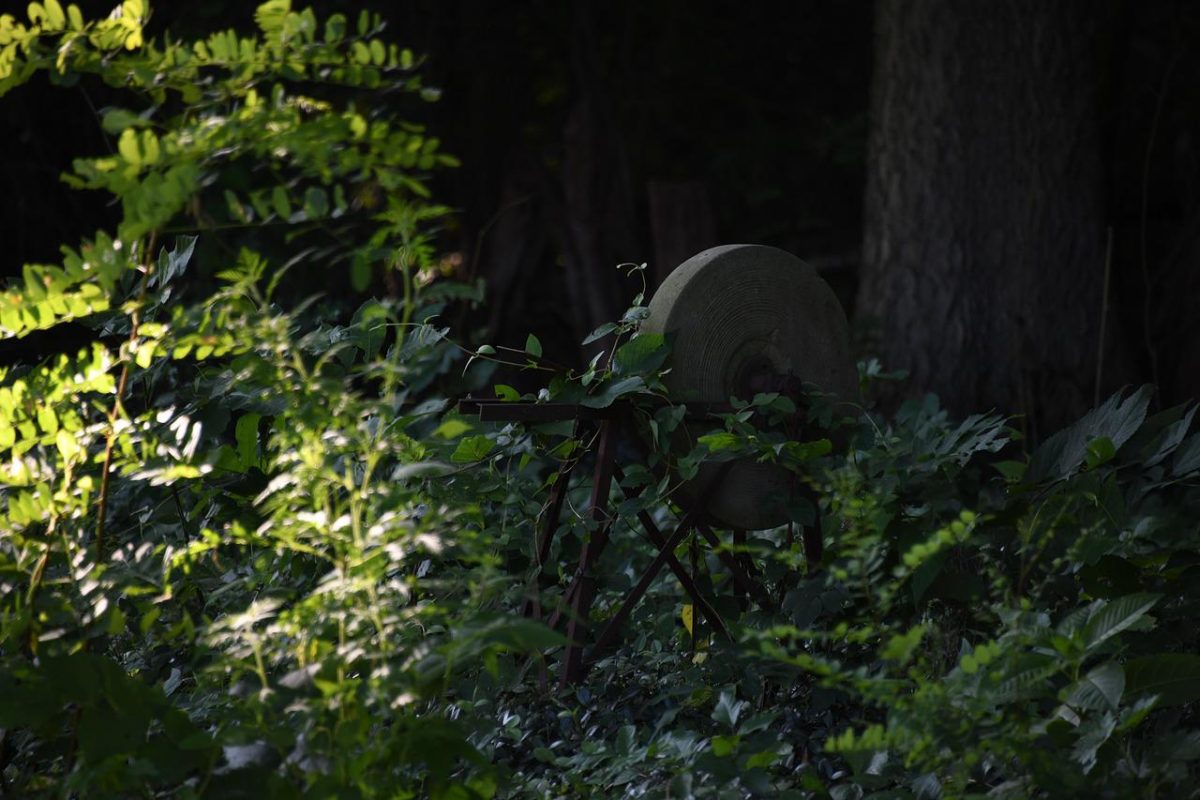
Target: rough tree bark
[984, 242]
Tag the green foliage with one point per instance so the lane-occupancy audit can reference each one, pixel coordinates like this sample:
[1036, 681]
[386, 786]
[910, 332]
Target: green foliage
[221, 563]
[249, 549]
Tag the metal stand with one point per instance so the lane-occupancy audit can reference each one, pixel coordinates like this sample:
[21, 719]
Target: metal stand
[577, 600]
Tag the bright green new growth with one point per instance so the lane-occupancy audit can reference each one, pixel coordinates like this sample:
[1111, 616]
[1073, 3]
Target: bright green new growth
[219, 493]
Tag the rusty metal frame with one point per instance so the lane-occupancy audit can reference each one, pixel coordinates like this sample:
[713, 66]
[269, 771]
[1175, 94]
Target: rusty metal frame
[577, 600]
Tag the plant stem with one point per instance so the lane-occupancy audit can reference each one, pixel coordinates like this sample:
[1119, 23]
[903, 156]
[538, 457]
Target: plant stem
[118, 406]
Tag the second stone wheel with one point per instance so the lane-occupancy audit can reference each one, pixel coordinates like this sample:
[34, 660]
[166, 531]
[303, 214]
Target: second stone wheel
[739, 315]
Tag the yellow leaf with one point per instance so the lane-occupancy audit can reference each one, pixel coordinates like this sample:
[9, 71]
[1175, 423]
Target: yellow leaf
[687, 616]
[127, 146]
[66, 444]
[54, 15]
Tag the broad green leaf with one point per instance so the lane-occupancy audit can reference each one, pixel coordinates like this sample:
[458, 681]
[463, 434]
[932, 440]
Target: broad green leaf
[1187, 457]
[471, 449]
[641, 355]
[612, 390]
[1117, 419]
[532, 346]
[1115, 616]
[1173, 677]
[1100, 689]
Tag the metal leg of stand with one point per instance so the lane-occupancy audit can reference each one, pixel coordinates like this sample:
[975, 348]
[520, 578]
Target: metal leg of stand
[741, 579]
[558, 493]
[584, 584]
[677, 569]
[618, 620]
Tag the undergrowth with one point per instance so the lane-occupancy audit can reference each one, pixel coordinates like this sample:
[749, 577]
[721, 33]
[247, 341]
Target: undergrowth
[250, 549]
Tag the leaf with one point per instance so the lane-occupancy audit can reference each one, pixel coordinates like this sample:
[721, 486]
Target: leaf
[54, 15]
[719, 441]
[724, 745]
[246, 434]
[1187, 457]
[728, 709]
[1099, 451]
[279, 200]
[799, 452]
[66, 444]
[452, 428]
[1171, 436]
[612, 390]
[1173, 677]
[472, 448]
[901, 646]
[1115, 616]
[116, 120]
[601, 332]
[360, 273]
[1100, 689]
[174, 263]
[532, 346]
[517, 633]
[506, 392]
[1012, 471]
[127, 146]
[1063, 453]
[641, 355]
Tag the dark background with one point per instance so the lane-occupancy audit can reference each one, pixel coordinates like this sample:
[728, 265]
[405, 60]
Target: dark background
[968, 175]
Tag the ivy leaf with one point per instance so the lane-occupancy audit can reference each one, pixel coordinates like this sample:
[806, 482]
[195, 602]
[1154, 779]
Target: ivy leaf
[506, 392]
[611, 391]
[532, 346]
[601, 332]
[472, 448]
[641, 355]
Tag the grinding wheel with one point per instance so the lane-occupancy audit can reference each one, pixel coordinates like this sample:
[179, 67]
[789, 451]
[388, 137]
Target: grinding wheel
[735, 314]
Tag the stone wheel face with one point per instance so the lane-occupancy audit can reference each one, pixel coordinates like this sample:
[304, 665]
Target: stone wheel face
[734, 314]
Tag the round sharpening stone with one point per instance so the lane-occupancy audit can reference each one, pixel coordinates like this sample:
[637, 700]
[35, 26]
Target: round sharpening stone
[737, 315]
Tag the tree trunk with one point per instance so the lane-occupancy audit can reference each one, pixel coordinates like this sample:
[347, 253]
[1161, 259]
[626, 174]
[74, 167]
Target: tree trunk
[682, 223]
[598, 205]
[984, 243]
